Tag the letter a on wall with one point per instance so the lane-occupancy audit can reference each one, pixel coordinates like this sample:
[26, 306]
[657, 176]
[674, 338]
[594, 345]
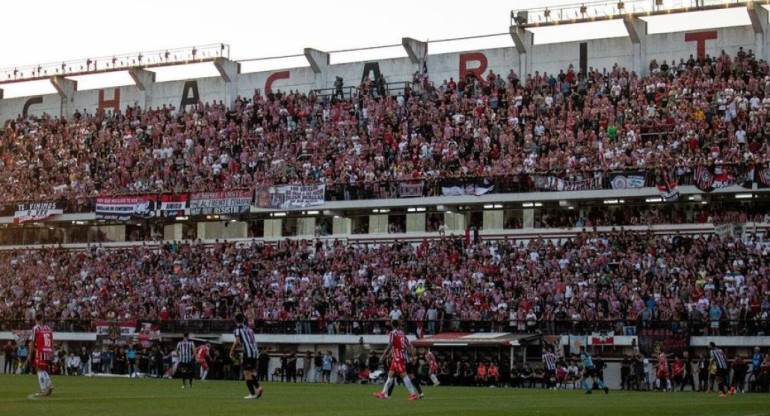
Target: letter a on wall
[190, 87]
[27, 104]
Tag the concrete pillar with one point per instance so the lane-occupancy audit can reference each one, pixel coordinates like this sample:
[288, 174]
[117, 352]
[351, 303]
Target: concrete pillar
[229, 71]
[342, 226]
[493, 220]
[415, 49]
[144, 80]
[1, 93]
[455, 222]
[637, 31]
[415, 223]
[173, 232]
[211, 230]
[109, 232]
[524, 42]
[273, 228]
[528, 218]
[759, 21]
[378, 224]
[306, 226]
[319, 62]
[237, 229]
[66, 89]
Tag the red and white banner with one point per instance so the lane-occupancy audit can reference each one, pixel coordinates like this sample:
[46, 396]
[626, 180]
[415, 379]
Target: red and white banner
[39, 211]
[173, 204]
[124, 208]
[602, 338]
[149, 333]
[226, 202]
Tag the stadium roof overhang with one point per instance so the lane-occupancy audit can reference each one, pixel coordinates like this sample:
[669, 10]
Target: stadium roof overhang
[477, 339]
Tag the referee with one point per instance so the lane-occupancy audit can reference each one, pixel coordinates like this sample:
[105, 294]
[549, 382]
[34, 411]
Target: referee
[185, 350]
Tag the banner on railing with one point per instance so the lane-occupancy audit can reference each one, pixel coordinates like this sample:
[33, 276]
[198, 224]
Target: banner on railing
[148, 334]
[38, 211]
[602, 338]
[124, 208]
[410, 189]
[552, 183]
[173, 204]
[575, 342]
[667, 186]
[220, 203]
[290, 196]
[708, 178]
[458, 188]
[114, 332]
[627, 180]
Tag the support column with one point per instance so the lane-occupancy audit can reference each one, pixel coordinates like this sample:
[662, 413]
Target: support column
[525, 44]
[528, 218]
[759, 21]
[273, 228]
[1, 93]
[319, 62]
[229, 71]
[144, 80]
[237, 229]
[493, 220]
[306, 226]
[637, 31]
[66, 89]
[415, 49]
[173, 232]
[378, 224]
[415, 223]
[342, 226]
[455, 222]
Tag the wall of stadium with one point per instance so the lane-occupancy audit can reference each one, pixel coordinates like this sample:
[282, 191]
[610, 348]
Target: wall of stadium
[633, 52]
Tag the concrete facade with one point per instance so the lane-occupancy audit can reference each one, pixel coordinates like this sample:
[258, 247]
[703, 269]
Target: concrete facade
[525, 56]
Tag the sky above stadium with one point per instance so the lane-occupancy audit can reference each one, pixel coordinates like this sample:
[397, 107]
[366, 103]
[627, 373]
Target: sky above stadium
[90, 28]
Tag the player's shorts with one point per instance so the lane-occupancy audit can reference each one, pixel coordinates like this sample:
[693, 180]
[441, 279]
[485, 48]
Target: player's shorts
[186, 369]
[132, 361]
[722, 373]
[662, 374]
[398, 366]
[42, 365]
[204, 365]
[433, 369]
[589, 372]
[249, 363]
[549, 374]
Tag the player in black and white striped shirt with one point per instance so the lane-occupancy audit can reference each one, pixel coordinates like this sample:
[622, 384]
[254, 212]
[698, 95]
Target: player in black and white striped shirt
[185, 350]
[719, 360]
[549, 359]
[244, 337]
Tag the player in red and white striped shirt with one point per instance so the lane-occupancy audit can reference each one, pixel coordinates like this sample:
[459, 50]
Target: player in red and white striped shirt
[399, 348]
[432, 367]
[41, 350]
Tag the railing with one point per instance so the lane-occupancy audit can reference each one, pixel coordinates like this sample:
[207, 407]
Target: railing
[749, 327]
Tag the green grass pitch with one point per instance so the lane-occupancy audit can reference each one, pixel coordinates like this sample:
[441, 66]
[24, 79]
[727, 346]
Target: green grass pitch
[81, 396]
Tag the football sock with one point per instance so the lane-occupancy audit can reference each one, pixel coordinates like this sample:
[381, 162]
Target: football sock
[417, 386]
[434, 379]
[41, 380]
[586, 385]
[600, 383]
[387, 385]
[408, 384]
[250, 386]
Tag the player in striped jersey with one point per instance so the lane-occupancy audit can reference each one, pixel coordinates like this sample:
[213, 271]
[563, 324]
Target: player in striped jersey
[549, 363]
[41, 350]
[719, 360]
[185, 350]
[399, 348]
[244, 337]
[432, 367]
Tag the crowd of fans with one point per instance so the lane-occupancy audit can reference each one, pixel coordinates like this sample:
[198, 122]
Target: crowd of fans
[704, 111]
[619, 278]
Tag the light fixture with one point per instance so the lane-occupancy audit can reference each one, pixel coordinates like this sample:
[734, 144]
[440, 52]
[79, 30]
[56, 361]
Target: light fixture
[653, 200]
[528, 204]
[744, 196]
[658, 3]
[621, 6]
[181, 218]
[583, 9]
[611, 201]
[547, 13]
[278, 214]
[312, 213]
[488, 206]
